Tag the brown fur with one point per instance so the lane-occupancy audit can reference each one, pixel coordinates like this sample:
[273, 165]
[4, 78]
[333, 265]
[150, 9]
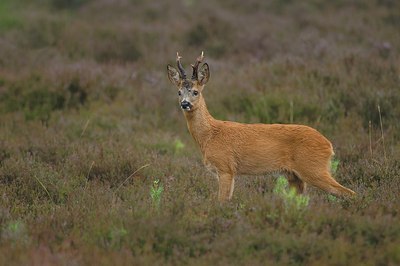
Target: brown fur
[232, 149]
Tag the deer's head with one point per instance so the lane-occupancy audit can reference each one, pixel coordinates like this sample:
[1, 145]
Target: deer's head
[189, 90]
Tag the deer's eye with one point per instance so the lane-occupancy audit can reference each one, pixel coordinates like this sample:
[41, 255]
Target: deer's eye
[195, 93]
[179, 93]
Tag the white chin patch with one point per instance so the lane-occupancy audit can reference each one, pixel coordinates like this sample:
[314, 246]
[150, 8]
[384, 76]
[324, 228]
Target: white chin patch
[186, 109]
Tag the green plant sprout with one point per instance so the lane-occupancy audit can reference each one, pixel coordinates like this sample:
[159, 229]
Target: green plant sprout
[292, 201]
[334, 165]
[116, 236]
[178, 146]
[332, 198]
[15, 231]
[156, 191]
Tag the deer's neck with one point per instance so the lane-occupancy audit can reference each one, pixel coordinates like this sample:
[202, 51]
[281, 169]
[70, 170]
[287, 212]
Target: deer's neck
[200, 123]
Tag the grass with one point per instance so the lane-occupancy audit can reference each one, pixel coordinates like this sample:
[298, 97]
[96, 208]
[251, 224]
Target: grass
[88, 122]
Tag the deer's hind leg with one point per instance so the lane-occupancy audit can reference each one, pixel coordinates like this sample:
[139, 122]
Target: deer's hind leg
[324, 181]
[295, 182]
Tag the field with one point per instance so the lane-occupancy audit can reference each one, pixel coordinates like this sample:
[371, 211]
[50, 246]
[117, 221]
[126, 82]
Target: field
[97, 166]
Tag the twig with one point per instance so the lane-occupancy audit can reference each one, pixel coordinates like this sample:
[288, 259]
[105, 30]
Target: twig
[383, 138]
[87, 176]
[140, 168]
[45, 189]
[85, 127]
[291, 112]
[370, 137]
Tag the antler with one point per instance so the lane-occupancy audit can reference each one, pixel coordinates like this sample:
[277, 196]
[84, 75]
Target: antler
[181, 70]
[196, 66]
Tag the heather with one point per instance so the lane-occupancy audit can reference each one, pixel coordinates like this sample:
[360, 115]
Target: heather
[97, 165]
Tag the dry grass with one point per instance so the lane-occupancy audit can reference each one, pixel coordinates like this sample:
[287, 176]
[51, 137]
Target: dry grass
[85, 103]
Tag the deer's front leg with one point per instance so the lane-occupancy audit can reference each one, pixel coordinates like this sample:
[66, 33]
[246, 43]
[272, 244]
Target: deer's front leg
[226, 184]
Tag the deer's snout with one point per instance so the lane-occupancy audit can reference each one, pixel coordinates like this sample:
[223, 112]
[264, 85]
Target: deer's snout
[185, 105]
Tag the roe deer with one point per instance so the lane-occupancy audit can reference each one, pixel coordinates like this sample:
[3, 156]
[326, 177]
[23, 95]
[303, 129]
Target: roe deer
[231, 148]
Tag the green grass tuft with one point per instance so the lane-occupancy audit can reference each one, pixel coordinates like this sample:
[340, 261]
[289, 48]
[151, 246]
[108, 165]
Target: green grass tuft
[293, 202]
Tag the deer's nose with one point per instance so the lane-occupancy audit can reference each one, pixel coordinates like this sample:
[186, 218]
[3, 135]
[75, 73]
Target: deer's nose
[186, 105]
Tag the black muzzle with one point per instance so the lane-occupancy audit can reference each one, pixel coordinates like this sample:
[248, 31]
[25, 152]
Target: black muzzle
[185, 105]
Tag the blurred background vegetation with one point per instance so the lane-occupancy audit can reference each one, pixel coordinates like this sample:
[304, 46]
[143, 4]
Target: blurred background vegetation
[85, 103]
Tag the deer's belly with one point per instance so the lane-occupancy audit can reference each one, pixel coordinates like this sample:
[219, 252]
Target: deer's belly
[251, 169]
[261, 163]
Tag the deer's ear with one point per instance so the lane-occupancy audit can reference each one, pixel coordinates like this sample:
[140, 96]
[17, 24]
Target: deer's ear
[204, 74]
[173, 75]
